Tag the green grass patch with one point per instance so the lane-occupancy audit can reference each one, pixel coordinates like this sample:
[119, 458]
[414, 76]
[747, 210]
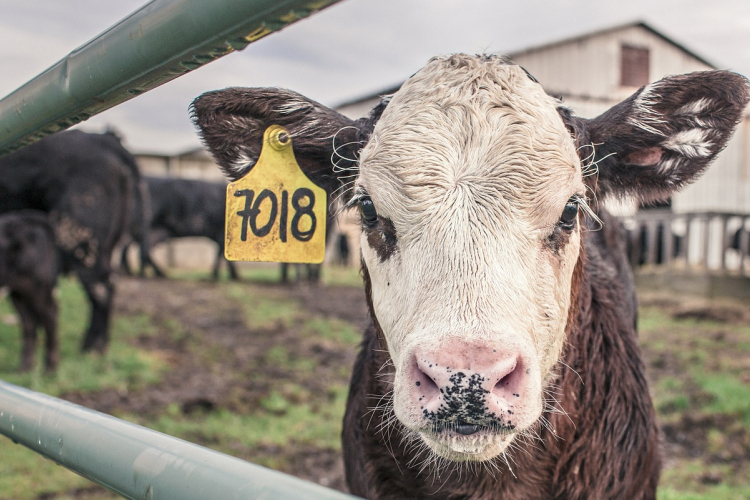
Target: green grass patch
[123, 367]
[342, 276]
[262, 310]
[333, 329]
[690, 480]
[730, 396]
[278, 422]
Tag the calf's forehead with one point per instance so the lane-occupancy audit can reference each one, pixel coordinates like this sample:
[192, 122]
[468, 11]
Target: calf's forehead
[475, 127]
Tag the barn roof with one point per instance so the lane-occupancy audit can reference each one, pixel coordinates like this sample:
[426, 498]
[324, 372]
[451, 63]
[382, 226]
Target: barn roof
[619, 27]
[546, 46]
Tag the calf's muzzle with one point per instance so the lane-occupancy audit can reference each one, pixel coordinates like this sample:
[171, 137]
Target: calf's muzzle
[465, 388]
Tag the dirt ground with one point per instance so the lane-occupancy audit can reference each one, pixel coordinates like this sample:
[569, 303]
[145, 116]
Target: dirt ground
[214, 323]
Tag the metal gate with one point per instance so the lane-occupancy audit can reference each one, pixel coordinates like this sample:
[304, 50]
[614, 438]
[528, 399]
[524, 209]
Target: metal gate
[161, 41]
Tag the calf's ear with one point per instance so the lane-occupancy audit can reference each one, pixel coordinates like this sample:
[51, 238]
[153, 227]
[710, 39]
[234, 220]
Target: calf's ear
[662, 137]
[232, 121]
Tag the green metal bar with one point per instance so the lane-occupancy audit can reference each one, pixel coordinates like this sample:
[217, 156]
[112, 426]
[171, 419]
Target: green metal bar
[135, 462]
[162, 40]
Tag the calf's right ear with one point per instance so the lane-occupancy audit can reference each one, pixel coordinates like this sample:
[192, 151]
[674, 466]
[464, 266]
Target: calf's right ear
[662, 137]
[232, 121]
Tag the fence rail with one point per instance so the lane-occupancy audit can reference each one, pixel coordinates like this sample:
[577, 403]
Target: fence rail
[708, 242]
[135, 462]
[161, 41]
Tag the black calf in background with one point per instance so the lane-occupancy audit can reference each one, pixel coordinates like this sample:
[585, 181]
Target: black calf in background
[86, 183]
[29, 266]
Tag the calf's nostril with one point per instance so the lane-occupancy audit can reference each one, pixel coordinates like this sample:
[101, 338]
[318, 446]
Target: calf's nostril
[424, 382]
[508, 376]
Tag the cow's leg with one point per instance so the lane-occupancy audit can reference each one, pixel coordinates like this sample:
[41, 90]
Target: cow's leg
[233, 274]
[48, 313]
[155, 237]
[217, 265]
[146, 259]
[28, 326]
[100, 291]
[124, 264]
[230, 265]
[284, 272]
[313, 273]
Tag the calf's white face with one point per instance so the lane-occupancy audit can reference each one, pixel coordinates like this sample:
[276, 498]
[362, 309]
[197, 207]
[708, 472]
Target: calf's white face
[470, 185]
[469, 170]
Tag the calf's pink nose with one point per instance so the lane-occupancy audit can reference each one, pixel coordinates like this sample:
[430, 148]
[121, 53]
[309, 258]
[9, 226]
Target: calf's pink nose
[468, 383]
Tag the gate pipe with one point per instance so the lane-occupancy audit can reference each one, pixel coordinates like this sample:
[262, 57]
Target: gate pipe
[159, 42]
[135, 462]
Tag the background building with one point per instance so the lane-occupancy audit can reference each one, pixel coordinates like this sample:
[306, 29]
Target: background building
[590, 73]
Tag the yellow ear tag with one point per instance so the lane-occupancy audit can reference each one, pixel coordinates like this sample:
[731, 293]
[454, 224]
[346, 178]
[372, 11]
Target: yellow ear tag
[275, 213]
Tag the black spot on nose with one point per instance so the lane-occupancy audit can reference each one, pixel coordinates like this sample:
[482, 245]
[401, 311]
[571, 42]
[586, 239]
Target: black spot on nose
[467, 429]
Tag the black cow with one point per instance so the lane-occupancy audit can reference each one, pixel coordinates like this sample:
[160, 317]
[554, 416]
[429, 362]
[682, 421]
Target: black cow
[85, 182]
[183, 208]
[29, 266]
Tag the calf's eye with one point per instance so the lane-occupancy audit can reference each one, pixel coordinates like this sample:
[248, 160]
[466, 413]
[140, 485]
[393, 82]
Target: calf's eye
[569, 215]
[368, 212]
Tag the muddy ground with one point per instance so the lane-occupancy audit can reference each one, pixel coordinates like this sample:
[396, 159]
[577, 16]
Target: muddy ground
[213, 326]
[214, 329]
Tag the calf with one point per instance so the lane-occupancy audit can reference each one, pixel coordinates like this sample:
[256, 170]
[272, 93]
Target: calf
[86, 184]
[29, 268]
[181, 208]
[502, 359]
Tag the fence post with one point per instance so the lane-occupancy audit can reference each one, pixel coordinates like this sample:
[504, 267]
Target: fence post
[706, 240]
[724, 241]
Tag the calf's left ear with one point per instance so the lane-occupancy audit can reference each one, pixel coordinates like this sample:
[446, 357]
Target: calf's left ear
[663, 136]
[232, 123]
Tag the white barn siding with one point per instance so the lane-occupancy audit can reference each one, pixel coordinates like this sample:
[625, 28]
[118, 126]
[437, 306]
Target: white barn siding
[586, 72]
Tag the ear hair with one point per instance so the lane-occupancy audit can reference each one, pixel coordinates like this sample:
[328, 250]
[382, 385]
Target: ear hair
[232, 121]
[663, 136]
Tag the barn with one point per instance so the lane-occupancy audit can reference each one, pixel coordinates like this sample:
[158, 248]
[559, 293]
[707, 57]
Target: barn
[699, 227]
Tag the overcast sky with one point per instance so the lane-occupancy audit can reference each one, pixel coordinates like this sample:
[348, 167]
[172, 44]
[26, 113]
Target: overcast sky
[355, 48]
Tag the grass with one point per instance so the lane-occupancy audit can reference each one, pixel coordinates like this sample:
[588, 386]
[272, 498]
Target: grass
[123, 368]
[698, 374]
[698, 371]
[278, 422]
[290, 416]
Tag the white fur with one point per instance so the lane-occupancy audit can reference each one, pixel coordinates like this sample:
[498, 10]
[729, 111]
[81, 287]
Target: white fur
[691, 143]
[241, 163]
[695, 107]
[646, 117]
[473, 165]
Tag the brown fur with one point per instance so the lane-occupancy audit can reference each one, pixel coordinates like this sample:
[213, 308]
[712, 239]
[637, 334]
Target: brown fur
[609, 447]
